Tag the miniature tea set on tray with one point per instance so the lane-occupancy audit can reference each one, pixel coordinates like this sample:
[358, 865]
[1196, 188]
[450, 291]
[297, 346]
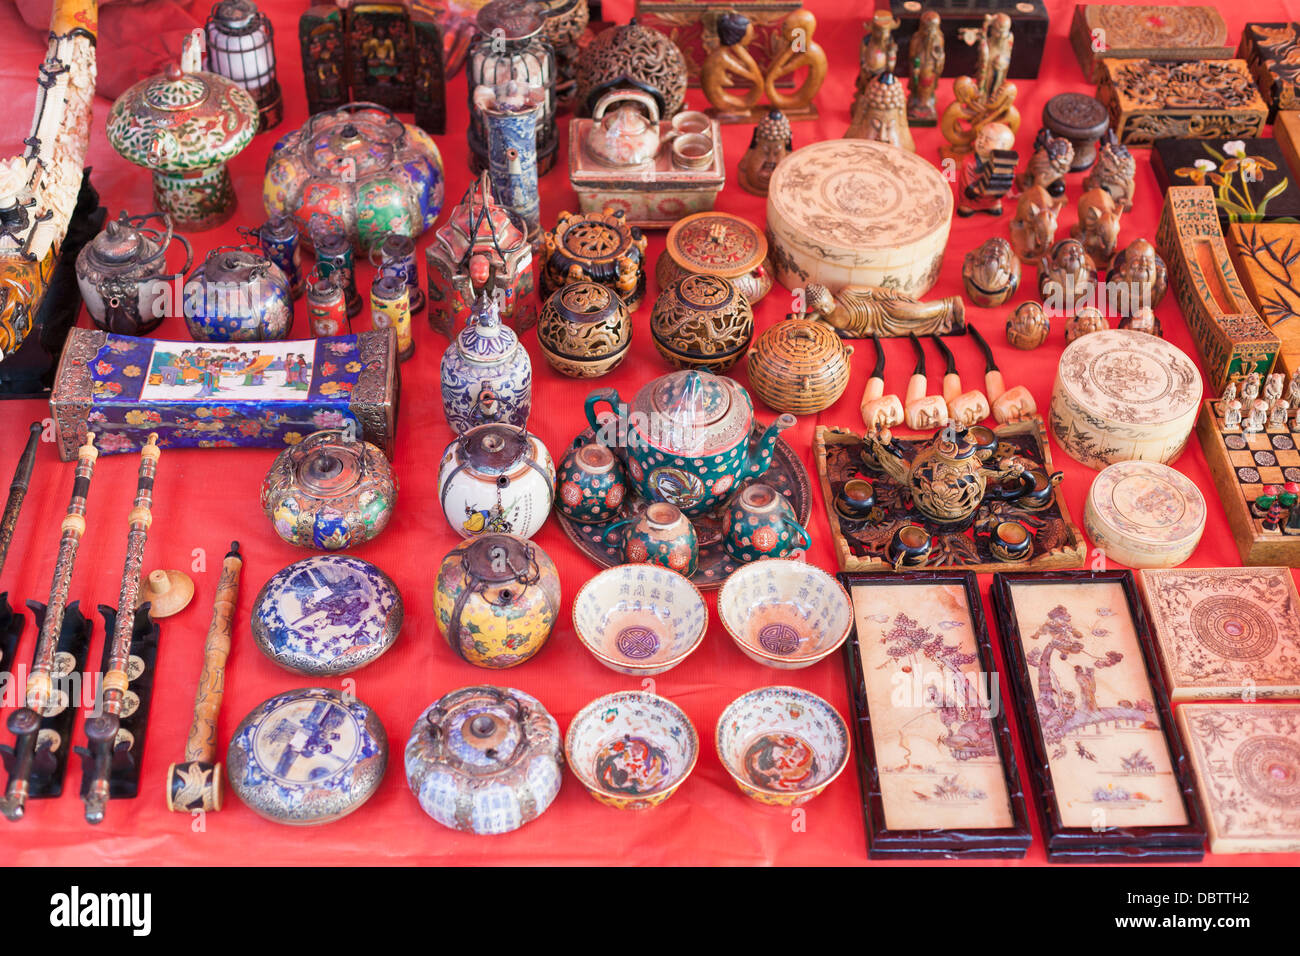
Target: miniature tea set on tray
[686, 488]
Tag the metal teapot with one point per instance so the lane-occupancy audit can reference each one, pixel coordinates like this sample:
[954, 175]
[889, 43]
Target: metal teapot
[122, 273]
[626, 136]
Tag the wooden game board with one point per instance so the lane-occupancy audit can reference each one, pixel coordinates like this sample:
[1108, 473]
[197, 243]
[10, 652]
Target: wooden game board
[1242, 465]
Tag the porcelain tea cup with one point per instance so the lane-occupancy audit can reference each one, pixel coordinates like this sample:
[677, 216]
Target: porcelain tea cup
[785, 614]
[640, 619]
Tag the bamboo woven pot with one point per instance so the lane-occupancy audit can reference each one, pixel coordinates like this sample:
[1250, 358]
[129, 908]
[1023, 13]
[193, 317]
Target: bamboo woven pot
[799, 366]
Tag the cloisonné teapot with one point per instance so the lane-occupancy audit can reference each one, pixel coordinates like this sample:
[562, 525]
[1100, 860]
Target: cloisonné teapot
[686, 437]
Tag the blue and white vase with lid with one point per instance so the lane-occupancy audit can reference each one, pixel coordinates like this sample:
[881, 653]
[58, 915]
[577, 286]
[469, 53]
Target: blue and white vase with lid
[487, 375]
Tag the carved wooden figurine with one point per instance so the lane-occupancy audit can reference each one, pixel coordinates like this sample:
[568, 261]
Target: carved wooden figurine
[1066, 276]
[732, 67]
[986, 97]
[1028, 326]
[736, 85]
[987, 175]
[879, 52]
[1097, 226]
[1143, 275]
[799, 51]
[926, 56]
[1033, 230]
[1048, 165]
[857, 312]
[881, 114]
[991, 272]
[1084, 322]
[1113, 171]
[771, 142]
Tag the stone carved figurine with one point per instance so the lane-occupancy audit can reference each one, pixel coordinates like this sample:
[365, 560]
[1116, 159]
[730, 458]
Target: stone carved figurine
[1232, 415]
[859, 312]
[926, 56]
[1033, 230]
[881, 114]
[1250, 388]
[1258, 420]
[990, 272]
[771, 142]
[1113, 171]
[1048, 165]
[1273, 386]
[986, 97]
[1293, 391]
[1028, 326]
[1278, 413]
[1085, 322]
[987, 175]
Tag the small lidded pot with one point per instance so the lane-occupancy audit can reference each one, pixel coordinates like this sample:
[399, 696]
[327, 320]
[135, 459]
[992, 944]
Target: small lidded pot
[485, 759]
[238, 295]
[496, 478]
[599, 247]
[487, 375]
[720, 244]
[661, 535]
[122, 273]
[591, 483]
[496, 599]
[585, 330]
[329, 492]
[702, 322]
[799, 366]
[759, 523]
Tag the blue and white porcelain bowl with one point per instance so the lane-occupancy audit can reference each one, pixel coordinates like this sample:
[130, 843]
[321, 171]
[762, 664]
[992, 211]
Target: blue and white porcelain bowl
[785, 614]
[640, 619]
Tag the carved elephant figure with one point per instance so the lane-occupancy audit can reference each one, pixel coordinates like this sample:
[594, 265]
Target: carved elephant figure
[1033, 230]
[1098, 226]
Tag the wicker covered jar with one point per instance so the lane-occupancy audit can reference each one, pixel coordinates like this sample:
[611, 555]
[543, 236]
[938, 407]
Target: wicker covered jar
[585, 330]
[799, 366]
[702, 322]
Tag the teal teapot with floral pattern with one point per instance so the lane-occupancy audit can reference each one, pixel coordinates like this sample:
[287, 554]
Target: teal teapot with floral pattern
[686, 437]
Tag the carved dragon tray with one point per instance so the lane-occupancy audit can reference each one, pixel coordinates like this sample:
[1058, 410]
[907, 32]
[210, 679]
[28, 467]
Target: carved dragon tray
[786, 474]
[861, 544]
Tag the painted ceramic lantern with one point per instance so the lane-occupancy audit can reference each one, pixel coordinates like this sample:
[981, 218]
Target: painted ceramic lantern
[238, 295]
[358, 170]
[485, 759]
[496, 478]
[591, 483]
[328, 492]
[496, 600]
[487, 375]
[185, 125]
[686, 437]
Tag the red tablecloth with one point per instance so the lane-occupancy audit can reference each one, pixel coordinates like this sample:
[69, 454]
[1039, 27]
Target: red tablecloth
[205, 498]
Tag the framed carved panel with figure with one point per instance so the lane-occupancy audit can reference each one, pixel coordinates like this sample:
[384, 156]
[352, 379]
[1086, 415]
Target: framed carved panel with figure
[937, 767]
[1111, 780]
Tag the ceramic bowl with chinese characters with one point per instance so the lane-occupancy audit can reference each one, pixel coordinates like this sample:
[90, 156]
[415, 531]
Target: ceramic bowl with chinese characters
[785, 614]
[631, 750]
[640, 619]
[782, 745]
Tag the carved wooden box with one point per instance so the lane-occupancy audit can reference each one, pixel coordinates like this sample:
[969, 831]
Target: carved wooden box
[1267, 258]
[1148, 32]
[1232, 338]
[1286, 132]
[1198, 99]
[223, 395]
[1251, 180]
[962, 21]
[693, 26]
[1272, 51]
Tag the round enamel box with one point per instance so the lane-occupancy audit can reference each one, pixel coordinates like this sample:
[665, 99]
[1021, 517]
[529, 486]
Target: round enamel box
[327, 615]
[307, 756]
[1143, 514]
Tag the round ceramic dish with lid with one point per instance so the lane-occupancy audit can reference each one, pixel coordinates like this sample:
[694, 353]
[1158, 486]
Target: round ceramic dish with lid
[720, 244]
[782, 745]
[1122, 395]
[849, 212]
[640, 619]
[1143, 514]
[307, 756]
[785, 614]
[631, 750]
[327, 615]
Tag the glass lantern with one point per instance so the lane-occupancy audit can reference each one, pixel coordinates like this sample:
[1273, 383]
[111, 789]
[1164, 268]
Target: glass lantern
[241, 47]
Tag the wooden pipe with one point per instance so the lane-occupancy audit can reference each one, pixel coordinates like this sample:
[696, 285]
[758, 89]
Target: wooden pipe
[18, 492]
[880, 412]
[922, 412]
[195, 784]
[966, 408]
[1008, 406]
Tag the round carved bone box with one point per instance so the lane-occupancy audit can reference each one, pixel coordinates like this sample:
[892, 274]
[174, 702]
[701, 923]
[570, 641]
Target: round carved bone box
[854, 212]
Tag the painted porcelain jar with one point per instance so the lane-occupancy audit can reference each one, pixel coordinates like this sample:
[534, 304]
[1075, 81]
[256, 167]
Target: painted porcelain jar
[487, 375]
[701, 321]
[496, 600]
[122, 273]
[585, 330]
[720, 244]
[327, 615]
[238, 295]
[485, 759]
[358, 170]
[496, 478]
[686, 437]
[591, 483]
[307, 757]
[596, 247]
[329, 492]
[185, 124]
[660, 535]
[759, 523]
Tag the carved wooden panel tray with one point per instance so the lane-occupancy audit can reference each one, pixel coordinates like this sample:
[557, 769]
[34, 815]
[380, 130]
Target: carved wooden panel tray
[861, 545]
[786, 474]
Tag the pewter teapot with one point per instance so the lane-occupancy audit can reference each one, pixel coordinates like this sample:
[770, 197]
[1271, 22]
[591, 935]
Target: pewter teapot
[626, 136]
[122, 273]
